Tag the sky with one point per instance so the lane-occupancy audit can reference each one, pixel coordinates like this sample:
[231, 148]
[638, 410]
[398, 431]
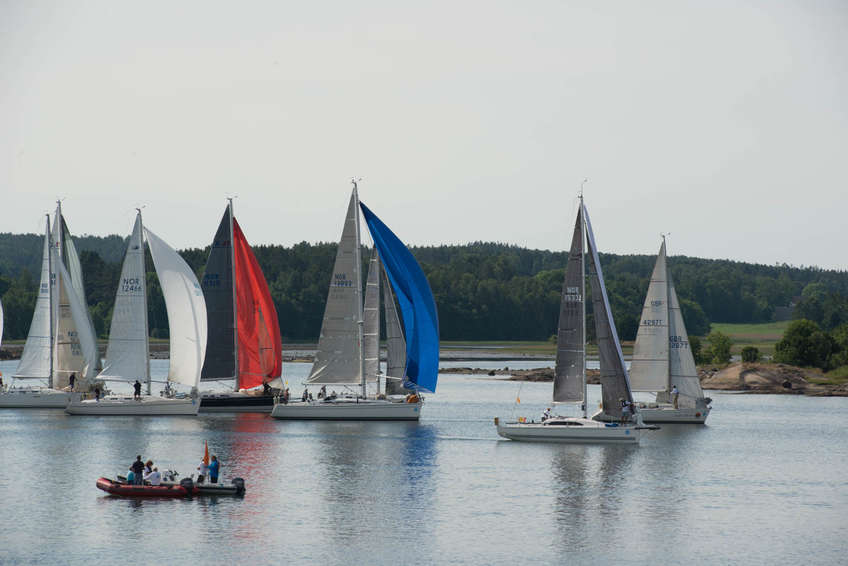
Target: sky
[723, 123]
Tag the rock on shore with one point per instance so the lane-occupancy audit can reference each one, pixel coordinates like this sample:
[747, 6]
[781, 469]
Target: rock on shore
[769, 378]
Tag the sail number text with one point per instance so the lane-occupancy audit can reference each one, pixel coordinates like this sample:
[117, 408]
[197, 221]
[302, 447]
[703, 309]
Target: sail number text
[677, 342]
[572, 295]
[131, 284]
[341, 280]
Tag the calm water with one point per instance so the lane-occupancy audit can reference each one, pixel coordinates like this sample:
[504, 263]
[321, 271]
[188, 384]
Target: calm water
[765, 482]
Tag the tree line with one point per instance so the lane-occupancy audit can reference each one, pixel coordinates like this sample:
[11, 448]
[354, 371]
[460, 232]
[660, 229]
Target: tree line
[483, 291]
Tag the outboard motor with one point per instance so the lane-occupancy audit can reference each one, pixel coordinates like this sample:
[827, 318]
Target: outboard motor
[188, 484]
[239, 484]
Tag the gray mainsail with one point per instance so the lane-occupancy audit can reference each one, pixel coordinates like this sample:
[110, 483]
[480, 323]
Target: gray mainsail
[649, 369]
[615, 383]
[682, 370]
[571, 346]
[217, 283]
[395, 343]
[371, 332]
[338, 359]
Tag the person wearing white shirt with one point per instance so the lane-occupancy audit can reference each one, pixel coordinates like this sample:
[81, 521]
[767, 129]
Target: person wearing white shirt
[154, 477]
[674, 395]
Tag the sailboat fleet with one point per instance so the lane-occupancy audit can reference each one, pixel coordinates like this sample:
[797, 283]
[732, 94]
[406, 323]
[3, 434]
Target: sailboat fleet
[225, 330]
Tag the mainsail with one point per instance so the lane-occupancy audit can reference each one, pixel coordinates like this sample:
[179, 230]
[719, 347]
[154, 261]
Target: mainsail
[371, 332]
[420, 318]
[571, 342]
[682, 370]
[339, 355]
[186, 311]
[260, 353]
[218, 289]
[649, 368]
[37, 357]
[615, 383]
[127, 356]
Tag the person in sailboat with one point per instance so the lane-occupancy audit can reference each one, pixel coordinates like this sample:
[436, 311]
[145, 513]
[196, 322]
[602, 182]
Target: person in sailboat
[137, 389]
[674, 395]
[168, 392]
[97, 394]
[305, 396]
[71, 380]
[266, 389]
[625, 410]
[546, 414]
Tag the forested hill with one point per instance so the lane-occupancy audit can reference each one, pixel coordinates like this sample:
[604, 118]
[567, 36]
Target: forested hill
[484, 291]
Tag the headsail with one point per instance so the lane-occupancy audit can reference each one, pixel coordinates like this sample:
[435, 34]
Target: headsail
[186, 311]
[371, 332]
[683, 372]
[260, 353]
[75, 348]
[571, 342]
[220, 362]
[649, 369]
[338, 359]
[615, 383]
[395, 343]
[36, 359]
[127, 356]
[420, 318]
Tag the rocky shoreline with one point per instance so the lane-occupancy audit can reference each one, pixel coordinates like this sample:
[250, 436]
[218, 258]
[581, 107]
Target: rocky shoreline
[743, 377]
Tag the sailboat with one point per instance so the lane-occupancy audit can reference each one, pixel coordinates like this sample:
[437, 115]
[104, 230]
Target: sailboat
[127, 356]
[662, 358]
[348, 347]
[570, 372]
[61, 340]
[244, 342]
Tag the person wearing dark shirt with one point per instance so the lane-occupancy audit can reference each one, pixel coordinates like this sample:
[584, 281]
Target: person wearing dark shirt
[138, 469]
[214, 468]
[137, 387]
[72, 379]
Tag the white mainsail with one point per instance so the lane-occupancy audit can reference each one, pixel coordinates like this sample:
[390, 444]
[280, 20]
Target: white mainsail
[37, 357]
[649, 368]
[338, 359]
[682, 370]
[127, 356]
[371, 332]
[186, 311]
[75, 346]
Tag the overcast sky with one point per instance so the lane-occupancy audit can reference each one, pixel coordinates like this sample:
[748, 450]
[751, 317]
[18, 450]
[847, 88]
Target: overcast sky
[724, 123]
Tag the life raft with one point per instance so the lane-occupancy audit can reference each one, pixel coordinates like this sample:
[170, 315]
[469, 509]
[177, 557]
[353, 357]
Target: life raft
[132, 490]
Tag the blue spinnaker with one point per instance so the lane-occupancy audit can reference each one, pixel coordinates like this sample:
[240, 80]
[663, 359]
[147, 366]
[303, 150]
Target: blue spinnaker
[417, 306]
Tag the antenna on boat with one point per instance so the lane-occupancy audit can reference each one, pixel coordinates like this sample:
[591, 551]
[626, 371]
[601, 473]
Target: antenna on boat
[355, 180]
[585, 180]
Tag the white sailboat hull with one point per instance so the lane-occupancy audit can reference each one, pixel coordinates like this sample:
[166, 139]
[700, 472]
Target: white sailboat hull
[34, 398]
[664, 414]
[569, 430]
[348, 410]
[148, 405]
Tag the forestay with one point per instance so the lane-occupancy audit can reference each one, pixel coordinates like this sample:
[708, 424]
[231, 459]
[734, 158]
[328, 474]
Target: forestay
[571, 342]
[338, 358]
[36, 359]
[615, 383]
[127, 351]
[186, 312]
[649, 368]
[418, 309]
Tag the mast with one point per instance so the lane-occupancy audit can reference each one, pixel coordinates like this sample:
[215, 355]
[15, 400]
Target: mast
[50, 298]
[235, 302]
[583, 302]
[357, 270]
[146, 328]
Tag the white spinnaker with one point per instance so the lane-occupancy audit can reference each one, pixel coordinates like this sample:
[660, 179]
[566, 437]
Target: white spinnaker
[682, 370]
[371, 331]
[127, 352]
[76, 349]
[337, 359]
[186, 311]
[649, 366]
[35, 359]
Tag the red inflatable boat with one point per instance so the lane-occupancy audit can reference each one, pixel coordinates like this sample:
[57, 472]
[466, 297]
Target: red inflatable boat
[130, 490]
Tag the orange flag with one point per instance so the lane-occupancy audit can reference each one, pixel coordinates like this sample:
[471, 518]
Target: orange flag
[205, 453]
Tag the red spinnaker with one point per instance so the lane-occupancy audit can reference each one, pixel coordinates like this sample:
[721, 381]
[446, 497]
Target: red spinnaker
[260, 347]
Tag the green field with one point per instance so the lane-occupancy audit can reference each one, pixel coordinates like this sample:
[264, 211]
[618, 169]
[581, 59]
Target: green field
[763, 336]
